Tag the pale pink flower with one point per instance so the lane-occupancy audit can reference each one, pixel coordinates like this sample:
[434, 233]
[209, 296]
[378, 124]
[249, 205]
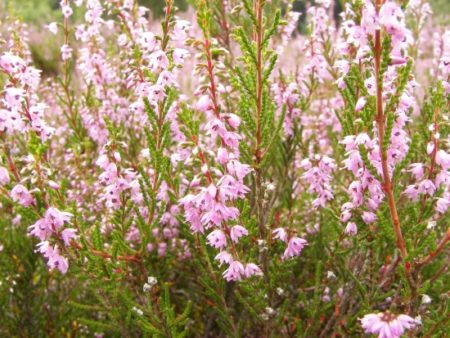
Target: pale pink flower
[52, 27]
[386, 324]
[67, 235]
[217, 239]
[4, 176]
[224, 257]
[281, 234]
[234, 272]
[21, 194]
[204, 104]
[360, 104]
[66, 10]
[443, 159]
[252, 270]
[237, 232]
[295, 247]
[66, 52]
[351, 229]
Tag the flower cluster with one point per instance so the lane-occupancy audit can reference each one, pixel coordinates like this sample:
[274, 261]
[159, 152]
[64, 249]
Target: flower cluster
[51, 228]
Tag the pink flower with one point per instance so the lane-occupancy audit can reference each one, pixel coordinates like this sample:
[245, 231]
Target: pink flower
[417, 169]
[442, 204]
[21, 194]
[237, 232]
[11, 63]
[67, 235]
[412, 192]
[443, 159]
[222, 156]
[217, 239]
[386, 324]
[66, 52]
[351, 229]
[179, 55]
[233, 120]
[204, 104]
[360, 104]
[67, 11]
[252, 269]
[234, 271]
[56, 218]
[147, 41]
[54, 259]
[4, 176]
[224, 257]
[295, 247]
[280, 234]
[362, 139]
[368, 217]
[50, 223]
[52, 27]
[427, 187]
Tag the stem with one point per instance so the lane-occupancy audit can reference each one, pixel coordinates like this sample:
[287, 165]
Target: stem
[438, 250]
[258, 36]
[381, 120]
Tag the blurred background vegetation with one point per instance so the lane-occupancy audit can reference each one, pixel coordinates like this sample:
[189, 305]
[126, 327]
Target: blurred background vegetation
[43, 11]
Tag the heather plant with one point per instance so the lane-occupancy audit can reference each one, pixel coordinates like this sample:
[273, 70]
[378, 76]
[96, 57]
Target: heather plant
[217, 174]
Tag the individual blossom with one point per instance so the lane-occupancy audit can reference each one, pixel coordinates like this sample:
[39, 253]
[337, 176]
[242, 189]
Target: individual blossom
[351, 229]
[21, 194]
[234, 272]
[52, 27]
[386, 324]
[252, 269]
[66, 52]
[54, 258]
[237, 232]
[295, 247]
[4, 176]
[217, 239]
[360, 104]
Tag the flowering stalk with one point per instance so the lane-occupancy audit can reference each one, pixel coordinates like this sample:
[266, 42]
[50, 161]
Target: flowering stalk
[381, 121]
